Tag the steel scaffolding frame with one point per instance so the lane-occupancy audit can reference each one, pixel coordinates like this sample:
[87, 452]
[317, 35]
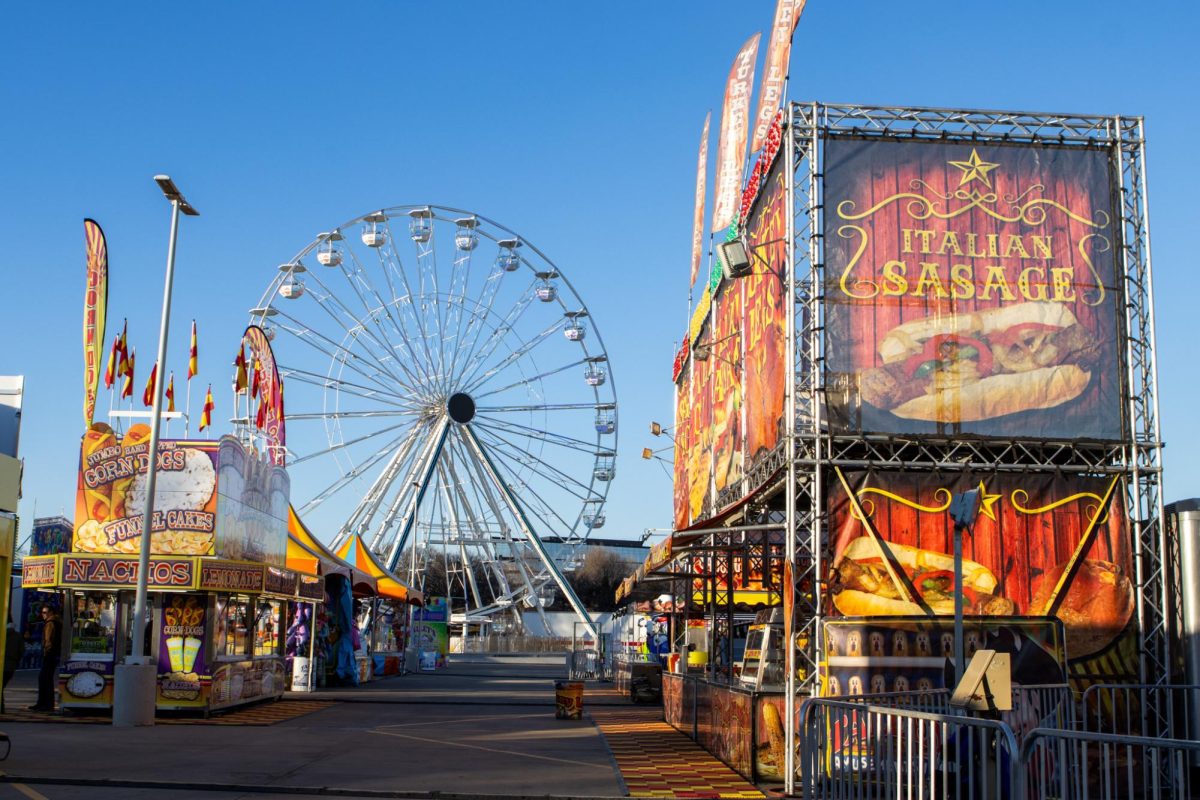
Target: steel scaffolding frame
[809, 450]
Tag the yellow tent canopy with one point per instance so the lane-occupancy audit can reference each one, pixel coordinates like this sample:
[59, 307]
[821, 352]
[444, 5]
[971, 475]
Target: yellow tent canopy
[303, 548]
[356, 553]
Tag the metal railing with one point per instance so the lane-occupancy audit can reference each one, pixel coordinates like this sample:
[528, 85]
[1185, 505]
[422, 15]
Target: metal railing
[1049, 705]
[862, 751]
[516, 644]
[1059, 764]
[1135, 708]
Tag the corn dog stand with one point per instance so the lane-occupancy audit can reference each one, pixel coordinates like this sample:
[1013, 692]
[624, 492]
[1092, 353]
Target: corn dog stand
[218, 579]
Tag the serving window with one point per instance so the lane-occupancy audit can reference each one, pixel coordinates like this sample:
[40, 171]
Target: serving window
[93, 623]
[233, 626]
[267, 618]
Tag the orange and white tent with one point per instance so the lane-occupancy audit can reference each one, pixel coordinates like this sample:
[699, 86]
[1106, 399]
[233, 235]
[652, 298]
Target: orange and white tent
[356, 553]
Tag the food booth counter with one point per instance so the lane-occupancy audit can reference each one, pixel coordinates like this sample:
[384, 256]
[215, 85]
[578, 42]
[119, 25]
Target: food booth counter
[215, 626]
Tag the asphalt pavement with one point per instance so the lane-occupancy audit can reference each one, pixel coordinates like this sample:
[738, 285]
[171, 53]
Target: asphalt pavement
[482, 727]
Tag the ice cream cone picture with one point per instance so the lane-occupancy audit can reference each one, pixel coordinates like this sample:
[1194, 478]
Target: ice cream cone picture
[175, 651]
[191, 646]
[99, 499]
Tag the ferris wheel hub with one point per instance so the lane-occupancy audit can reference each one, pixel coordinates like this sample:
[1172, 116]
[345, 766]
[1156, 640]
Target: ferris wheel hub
[461, 407]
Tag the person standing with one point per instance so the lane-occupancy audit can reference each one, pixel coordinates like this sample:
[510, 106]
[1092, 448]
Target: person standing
[51, 652]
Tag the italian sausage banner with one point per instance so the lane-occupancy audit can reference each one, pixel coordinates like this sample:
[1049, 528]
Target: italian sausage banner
[1042, 545]
[764, 318]
[971, 288]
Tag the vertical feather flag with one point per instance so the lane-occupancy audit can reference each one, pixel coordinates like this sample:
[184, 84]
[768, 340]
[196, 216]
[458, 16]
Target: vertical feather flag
[192, 355]
[735, 127]
[775, 69]
[698, 210]
[206, 412]
[95, 308]
[151, 387]
[171, 393]
[127, 388]
[114, 356]
[239, 378]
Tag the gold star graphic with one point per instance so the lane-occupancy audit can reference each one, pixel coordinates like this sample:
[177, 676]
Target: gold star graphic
[974, 168]
[987, 504]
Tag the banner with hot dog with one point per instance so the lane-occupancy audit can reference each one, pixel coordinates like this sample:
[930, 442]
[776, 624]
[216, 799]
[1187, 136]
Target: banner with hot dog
[972, 289]
[1042, 546]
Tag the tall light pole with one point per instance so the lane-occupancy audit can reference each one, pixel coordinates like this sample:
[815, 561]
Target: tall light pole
[134, 680]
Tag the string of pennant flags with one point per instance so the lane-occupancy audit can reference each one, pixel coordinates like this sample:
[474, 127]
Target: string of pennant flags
[248, 377]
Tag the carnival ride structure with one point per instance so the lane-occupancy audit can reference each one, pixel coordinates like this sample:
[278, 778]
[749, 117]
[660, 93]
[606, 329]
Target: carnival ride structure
[449, 400]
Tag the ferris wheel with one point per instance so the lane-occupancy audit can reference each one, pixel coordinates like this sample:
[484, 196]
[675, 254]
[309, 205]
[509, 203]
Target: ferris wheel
[449, 400]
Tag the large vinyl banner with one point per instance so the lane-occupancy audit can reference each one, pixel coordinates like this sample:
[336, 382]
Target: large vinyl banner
[728, 444]
[683, 435]
[700, 442]
[764, 319]
[971, 289]
[1042, 545]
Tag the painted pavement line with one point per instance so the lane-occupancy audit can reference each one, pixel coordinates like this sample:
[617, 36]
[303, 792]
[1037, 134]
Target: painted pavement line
[426, 739]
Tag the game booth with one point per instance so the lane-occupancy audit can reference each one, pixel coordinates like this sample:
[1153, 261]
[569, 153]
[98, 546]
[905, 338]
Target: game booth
[362, 621]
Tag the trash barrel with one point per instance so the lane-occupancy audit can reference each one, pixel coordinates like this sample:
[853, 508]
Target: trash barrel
[568, 699]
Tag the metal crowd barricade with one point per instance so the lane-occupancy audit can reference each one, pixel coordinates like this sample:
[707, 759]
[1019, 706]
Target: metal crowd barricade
[863, 751]
[1060, 764]
[1049, 705]
[1142, 709]
[935, 701]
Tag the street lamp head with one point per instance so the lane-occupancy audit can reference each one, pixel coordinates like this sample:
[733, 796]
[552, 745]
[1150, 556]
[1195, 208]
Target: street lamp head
[172, 193]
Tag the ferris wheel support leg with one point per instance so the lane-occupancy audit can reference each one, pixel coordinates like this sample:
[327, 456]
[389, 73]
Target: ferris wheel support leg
[519, 512]
[411, 517]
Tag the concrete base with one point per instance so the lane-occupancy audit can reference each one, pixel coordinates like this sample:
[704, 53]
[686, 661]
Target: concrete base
[133, 694]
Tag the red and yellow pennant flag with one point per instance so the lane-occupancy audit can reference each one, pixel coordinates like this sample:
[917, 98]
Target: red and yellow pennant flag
[192, 354]
[171, 393]
[127, 371]
[114, 357]
[124, 364]
[256, 384]
[260, 419]
[206, 412]
[151, 387]
[95, 305]
[240, 381]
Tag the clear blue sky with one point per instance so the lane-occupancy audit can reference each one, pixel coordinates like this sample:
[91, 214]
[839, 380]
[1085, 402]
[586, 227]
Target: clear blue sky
[574, 124]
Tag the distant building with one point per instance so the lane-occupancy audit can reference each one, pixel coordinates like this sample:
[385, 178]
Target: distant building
[629, 550]
[50, 535]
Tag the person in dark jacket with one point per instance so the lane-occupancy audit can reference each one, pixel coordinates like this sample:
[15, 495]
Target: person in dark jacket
[51, 652]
